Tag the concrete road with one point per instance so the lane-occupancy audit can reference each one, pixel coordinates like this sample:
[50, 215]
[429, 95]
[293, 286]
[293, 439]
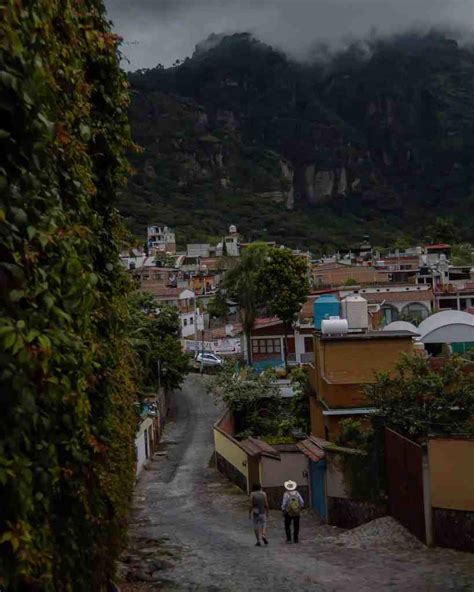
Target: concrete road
[195, 526]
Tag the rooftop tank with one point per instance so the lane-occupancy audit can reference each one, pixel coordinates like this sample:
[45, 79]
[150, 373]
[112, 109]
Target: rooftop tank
[324, 307]
[355, 310]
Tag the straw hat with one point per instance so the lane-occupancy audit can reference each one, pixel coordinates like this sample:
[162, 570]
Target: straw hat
[290, 485]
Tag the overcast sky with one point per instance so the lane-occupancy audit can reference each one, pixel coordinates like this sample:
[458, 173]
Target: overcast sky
[161, 31]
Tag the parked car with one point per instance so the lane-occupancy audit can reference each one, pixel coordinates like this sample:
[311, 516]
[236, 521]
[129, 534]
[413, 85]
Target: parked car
[208, 360]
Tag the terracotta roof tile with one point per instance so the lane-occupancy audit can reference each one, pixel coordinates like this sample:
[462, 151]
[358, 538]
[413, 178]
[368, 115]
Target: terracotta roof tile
[313, 448]
[254, 447]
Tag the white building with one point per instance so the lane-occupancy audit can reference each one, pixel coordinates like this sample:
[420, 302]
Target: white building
[230, 245]
[144, 443]
[161, 239]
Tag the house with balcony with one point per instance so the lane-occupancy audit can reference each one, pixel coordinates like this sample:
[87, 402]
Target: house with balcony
[161, 239]
[267, 343]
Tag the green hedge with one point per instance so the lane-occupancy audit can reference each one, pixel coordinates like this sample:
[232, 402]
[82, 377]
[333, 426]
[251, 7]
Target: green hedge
[66, 388]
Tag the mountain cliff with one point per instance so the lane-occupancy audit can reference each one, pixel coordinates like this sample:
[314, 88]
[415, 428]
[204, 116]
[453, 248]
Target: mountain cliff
[377, 139]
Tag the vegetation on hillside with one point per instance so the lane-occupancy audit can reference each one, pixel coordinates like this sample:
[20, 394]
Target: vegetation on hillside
[237, 132]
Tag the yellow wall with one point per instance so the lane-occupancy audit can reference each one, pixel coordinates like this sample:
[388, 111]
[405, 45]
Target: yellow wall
[231, 451]
[452, 473]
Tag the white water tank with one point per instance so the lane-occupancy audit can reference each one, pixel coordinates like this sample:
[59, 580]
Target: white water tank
[355, 310]
[334, 326]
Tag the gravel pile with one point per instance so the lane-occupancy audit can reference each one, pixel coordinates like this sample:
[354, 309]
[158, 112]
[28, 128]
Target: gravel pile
[383, 532]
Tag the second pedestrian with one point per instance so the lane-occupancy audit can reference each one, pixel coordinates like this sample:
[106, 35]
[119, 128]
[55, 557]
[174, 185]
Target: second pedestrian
[291, 506]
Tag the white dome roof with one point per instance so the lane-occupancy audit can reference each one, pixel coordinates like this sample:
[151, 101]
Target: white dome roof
[401, 326]
[448, 326]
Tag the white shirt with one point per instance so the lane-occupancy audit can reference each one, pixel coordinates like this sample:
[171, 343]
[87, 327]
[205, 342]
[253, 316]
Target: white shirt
[286, 499]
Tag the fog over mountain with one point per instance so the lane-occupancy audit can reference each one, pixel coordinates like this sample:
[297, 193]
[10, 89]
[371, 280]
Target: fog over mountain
[161, 31]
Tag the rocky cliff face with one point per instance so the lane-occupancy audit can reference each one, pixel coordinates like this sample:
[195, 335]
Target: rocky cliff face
[376, 138]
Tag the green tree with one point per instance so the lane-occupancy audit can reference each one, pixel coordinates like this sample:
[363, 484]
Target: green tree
[418, 401]
[283, 278]
[155, 337]
[217, 306]
[254, 399]
[243, 285]
[299, 403]
[462, 254]
[443, 230]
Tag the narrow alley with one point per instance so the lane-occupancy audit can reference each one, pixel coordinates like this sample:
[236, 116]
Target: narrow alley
[190, 531]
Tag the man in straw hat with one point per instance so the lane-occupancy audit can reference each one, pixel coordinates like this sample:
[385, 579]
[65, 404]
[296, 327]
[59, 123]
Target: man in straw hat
[291, 506]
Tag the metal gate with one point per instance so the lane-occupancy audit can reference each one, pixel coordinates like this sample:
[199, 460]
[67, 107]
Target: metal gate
[404, 462]
[318, 489]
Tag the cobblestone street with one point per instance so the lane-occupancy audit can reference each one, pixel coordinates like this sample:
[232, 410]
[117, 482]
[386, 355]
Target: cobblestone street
[190, 531]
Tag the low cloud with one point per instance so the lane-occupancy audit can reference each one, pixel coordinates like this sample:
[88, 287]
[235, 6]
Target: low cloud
[161, 31]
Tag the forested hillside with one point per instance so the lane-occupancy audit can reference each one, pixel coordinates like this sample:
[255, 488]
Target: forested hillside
[377, 139]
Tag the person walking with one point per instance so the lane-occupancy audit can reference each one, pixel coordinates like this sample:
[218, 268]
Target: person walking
[258, 511]
[291, 506]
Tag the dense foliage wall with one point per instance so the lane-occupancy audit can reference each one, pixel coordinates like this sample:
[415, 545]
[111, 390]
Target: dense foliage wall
[66, 391]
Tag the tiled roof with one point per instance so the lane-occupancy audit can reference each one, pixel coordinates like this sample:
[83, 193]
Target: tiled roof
[439, 246]
[306, 311]
[266, 321]
[163, 291]
[408, 296]
[255, 447]
[313, 448]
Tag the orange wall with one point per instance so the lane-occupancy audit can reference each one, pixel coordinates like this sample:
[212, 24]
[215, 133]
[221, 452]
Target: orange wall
[344, 367]
[452, 473]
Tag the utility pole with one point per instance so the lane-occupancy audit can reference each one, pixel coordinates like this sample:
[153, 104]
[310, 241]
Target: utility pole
[196, 313]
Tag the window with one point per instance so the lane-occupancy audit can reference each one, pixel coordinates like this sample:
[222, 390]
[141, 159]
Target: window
[415, 312]
[185, 322]
[390, 314]
[191, 321]
[308, 344]
[266, 346]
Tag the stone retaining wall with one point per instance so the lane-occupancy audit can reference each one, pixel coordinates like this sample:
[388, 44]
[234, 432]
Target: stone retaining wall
[454, 529]
[349, 513]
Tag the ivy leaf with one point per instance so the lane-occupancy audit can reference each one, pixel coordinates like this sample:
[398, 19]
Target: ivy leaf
[48, 300]
[9, 340]
[16, 295]
[31, 232]
[4, 134]
[85, 132]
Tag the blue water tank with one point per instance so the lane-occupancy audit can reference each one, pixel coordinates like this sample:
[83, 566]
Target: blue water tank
[324, 307]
